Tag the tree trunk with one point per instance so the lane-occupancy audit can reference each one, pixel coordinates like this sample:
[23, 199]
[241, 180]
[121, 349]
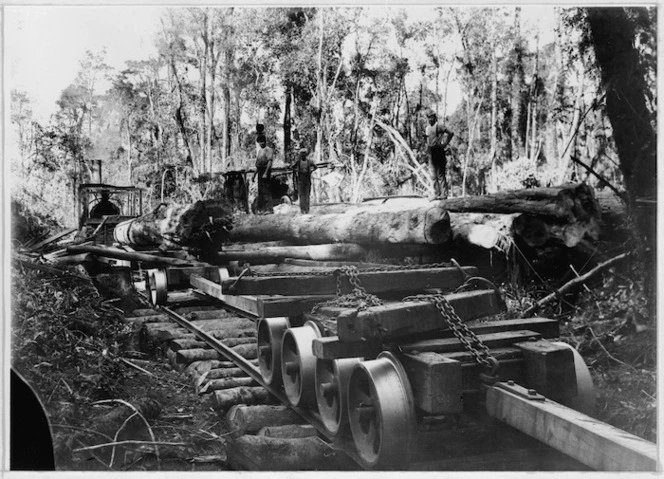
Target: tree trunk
[371, 225]
[193, 225]
[567, 202]
[613, 37]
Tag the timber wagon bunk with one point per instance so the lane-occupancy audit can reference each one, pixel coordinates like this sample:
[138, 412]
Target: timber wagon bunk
[415, 375]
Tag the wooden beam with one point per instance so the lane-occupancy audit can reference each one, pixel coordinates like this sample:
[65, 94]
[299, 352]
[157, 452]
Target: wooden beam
[492, 340]
[592, 442]
[548, 328]
[334, 264]
[373, 282]
[405, 318]
[259, 306]
[179, 276]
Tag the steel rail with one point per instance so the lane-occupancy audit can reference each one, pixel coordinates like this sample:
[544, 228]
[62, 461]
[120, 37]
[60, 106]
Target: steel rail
[253, 372]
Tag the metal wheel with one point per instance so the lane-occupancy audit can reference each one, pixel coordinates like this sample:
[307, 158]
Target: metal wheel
[381, 412]
[298, 364]
[332, 392]
[270, 335]
[157, 286]
[584, 401]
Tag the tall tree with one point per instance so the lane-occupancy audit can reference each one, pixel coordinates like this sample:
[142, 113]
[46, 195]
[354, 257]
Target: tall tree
[613, 38]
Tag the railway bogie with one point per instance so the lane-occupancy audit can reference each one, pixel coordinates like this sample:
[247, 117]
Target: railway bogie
[371, 391]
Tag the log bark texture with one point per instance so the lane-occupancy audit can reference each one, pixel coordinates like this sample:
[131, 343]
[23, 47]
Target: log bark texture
[250, 419]
[194, 225]
[224, 399]
[366, 225]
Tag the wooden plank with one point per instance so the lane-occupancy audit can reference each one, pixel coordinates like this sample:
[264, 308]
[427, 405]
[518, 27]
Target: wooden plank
[179, 276]
[405, 318]
[491, 340]
[259, 306]
[373, 282]
[332, 348]
[548, 328]
[335, 264]
[435, 381]
[288, 306]
[592, 442]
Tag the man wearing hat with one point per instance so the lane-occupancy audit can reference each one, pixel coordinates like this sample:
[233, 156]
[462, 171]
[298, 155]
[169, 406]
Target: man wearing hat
[264, 157]
[436, 143]
[303, 166]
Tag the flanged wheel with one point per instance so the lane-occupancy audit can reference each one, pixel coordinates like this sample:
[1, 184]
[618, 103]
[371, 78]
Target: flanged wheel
[298, 364]
[584, 401]
[270, 335]
[332, 392]
[381, 411]
[157, 285]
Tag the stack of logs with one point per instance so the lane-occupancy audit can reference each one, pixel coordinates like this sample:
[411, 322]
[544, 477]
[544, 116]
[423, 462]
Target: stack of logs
[395, 227]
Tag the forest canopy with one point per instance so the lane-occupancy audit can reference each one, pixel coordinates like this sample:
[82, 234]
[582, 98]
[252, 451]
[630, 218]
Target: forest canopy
[353, 85]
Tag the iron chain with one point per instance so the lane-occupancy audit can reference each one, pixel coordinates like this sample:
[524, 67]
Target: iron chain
[463, 333]
[358, 297]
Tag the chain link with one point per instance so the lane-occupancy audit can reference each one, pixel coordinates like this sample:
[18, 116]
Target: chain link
[357, 298]
[463, 333]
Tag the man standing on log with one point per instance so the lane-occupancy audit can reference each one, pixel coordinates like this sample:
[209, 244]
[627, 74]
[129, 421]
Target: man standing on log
[303, 166]
[436, 144]
[264, 157]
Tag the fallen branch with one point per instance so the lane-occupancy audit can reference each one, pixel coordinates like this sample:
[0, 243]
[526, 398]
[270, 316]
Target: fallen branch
[49, 269]
[621, 195]
[132, 442]
[573, 284]
[147, 424]
[129, 363]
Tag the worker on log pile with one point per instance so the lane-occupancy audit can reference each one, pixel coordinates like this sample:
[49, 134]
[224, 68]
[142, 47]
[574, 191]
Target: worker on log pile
[104, 207]
[303, 166]
[436, 144]
[264, 158]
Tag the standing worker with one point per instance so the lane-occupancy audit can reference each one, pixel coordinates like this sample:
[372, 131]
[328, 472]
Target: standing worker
[436, 144]
[303, 166]
[264, 157]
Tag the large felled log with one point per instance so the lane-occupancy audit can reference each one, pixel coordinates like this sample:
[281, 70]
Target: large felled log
[276, 254]
[363, 225]
[260, 453]
[571, 202]
[194, 225]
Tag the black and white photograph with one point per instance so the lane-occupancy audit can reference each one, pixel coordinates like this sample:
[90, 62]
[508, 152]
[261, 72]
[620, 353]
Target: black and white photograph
[287, 238]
